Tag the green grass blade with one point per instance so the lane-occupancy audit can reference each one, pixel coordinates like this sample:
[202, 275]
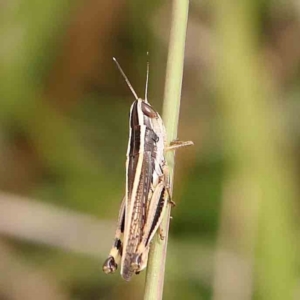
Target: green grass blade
[157, 257]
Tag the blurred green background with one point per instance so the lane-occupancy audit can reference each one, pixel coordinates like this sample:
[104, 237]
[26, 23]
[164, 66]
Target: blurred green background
[63, 138]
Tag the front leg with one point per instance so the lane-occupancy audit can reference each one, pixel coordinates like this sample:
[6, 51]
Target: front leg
[111, 263]
[176, 144]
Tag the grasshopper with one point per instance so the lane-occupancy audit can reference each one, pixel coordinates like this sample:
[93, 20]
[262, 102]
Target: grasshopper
[147, 187]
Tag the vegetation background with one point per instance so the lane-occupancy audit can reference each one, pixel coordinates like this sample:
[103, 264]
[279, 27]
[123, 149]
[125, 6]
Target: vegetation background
[63, 138]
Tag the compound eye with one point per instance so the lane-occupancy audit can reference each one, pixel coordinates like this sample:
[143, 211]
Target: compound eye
[148, 110]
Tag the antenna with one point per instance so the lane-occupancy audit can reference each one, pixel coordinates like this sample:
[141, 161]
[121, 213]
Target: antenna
[147, 79]
[126, 79]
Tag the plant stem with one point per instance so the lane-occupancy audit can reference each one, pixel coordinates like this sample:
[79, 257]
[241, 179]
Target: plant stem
[157, 256]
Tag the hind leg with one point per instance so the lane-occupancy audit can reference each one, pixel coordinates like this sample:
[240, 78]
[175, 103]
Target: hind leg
[111, 263]
[155, 214]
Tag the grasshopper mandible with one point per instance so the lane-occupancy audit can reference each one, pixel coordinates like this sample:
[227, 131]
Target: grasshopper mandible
[147, 187]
